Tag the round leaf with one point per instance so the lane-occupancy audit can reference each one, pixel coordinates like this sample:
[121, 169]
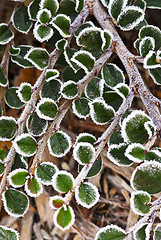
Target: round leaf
[51, 5]
[3, 78]
[46, 109]
[95, 169]
[17, 178]
[44, 15]
[62, 23]
[24, 92]
[114, 99]
[116, 7]
[69, 90]
[146, 44]
[51, 89]
[12, 99]
[81, 108]
[85, 137]
[42, 32]
[63, 181]
[6, 35]
[19, 59]
[94, 89]
[116, 138]
[110, 232]
[33, 9]
[8, 128]
[33, 187]
[135, 152]
[8, 233]
[84, 153]
[45, 171]
[56, 202]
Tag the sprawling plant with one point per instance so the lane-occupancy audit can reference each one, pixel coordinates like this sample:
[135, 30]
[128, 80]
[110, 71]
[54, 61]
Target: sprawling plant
[93, 87]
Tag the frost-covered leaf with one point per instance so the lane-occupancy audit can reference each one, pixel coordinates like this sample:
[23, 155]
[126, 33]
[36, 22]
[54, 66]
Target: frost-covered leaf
[20, 162]
[21, 20]
[12, 99]
[33, 187]
[113, 98]
[68, 54]
[51, 74]
[17, 178]
[56, 202]
[94, 89]
[6, 35]
[2, 154]
[70, 74]
[107, 39]
[64, 218]
[39, 57]
[141, 4]
[135, 128]
[146, 44]
[63, 181]
[85, 137]
[25, 145]
[157, 232]
[33, 9]
[61, 44]
[46, 109]
[62, 23]
[100, 112]
[122, 88]
[116, 138]
[150, 61]
[24, 92]
[95, 169]
[8, 128]
[111, 232]
[79, 5]
[15, 203]
[3, 79]
[112, 75]
[84, 59]
[70, 90]
[1, 168]
[141, 24]
[142, 232]
[51, 5]
[153, 154]
[156, 75]
[135, 152]
[14, 51]
[87, 195]
[84, 153]
[42, 32]
[43, 16]
[59, 144]
[130, 17]
[8, 233]
[19, 59]
[45, 171]
[115, 7]
[147, 177]
[36, 126]
[156, 4]
[80, 107]
[87, 24]
[140, 202]
[116, 154]
[52, 89]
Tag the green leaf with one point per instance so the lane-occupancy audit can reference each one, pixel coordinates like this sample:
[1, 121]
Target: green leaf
[33, 187]
[52, 88]
[115, 7]
[84, 153]
[42, 32]
[135, 152]
[79, 5]
[153, 155]
[25, 145]
[19, 59]
[85, 137]
[8, 128]
[87, 24]
[52, 74]
[20, 162]
[68, 54]
[46, 109]
[21, 20]
[1, 168]
[51, 5]
[59, 144]
[2, 154]
[45, 171]
[80, 107]
[142, 232]
[33, 9]
[100, 112]
[63, 181]
[16, 203]
[36, 126]
[116, 154]
[111, 232]
[86, 195]
[70, 74]
[146, 44]
[94, 89]
[62, 23]
[123, 89]
[24, 92]
[150, 61]
[61, 44]
[107, 40]
[12, 99]
[39, 57]
[14, 51]
[112, 75]
[70, 90]
[116, 138]
[114, 99]
[95, 169]
[8, 233]
[64, 218]
[130, 17]
[56, 202]
[140, 202]
[141, 4]
[3, 78]
[6, 35]
[17, 178]
[147, 177]
[156, 4]
[43, 16]
[157, 232]
[156, 75]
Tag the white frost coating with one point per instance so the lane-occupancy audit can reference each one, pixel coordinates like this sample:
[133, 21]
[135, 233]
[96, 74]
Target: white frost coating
[60, 91]
[155, 229]
[76, 151]
[54, 1]
[54, 76]
[149, 55]
[104, 39]
[28, 10]
[58, 28]
[54, 179]
[112, 2]
[39, 113]
[132, 204]
[147, 167]
[83, 135]
[130, 148]
[132, 115]
[10, 119]
[112, 159]
[24, 162]
[12, 230]
[37, 36]
[66, 151]
[143, 42]
[18, 150]
[15, 61]
[47, 183]
[108, 227]
[152, 26]
[12, 20]
[148, 129]
[92, 113]
[8, 39]
[66, 84]
[18, 91]
[77, 4]
[65, 45]
[79, 63]
[101, 88]
[29, 130]
[147, 231]
[42, 11]
[119, 85]
[68, 61]
[7, 101]
[13, 173]
[28, 191]
[51, 199]
[134, 24]
[8, 210]
[15, 48]
[76, 112]
[30, 60]
[70, 223]
[3, 171]
[158, 55]
[153, 77]
[79, 201]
